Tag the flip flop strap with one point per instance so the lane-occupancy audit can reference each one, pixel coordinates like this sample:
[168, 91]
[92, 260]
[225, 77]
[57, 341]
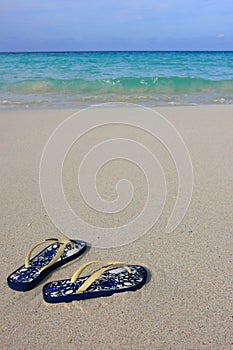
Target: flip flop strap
[63, 241]
[97, 273]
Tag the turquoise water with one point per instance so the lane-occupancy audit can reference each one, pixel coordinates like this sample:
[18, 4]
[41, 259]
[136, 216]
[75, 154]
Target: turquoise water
[60, 80]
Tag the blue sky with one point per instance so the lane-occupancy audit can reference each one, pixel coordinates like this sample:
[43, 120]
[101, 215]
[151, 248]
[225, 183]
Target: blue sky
[49, 25]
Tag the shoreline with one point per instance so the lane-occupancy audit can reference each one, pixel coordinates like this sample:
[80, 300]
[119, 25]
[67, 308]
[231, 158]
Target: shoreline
[113, 105]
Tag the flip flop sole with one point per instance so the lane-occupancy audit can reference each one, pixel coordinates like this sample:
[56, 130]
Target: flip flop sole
[24, 279]
[116, 280]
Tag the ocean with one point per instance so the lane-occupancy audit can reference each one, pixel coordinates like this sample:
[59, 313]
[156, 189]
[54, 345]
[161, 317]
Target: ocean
[80, 79]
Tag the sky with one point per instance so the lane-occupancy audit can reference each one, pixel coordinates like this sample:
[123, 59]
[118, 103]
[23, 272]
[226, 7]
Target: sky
[93, 25]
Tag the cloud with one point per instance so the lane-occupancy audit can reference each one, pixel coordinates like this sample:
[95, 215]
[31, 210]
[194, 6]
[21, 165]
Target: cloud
[220, 36]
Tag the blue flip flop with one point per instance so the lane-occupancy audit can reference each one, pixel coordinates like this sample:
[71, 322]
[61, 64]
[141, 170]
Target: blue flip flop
[114, 277]
[61, 251]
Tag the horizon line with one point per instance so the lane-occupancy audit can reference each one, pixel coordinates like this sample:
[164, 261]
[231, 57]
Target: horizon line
[106, 51]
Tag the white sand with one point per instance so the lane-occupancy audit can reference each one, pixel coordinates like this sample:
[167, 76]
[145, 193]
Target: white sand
[187, 302]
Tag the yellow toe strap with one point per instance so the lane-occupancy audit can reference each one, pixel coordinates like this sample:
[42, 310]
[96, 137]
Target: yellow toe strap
[63, 241]
[96, 274]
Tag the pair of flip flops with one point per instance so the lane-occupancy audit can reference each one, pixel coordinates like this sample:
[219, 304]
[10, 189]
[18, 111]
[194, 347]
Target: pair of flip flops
[113, 277]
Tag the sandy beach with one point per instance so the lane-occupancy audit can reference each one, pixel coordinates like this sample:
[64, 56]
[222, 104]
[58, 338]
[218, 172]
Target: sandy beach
[187, 302]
